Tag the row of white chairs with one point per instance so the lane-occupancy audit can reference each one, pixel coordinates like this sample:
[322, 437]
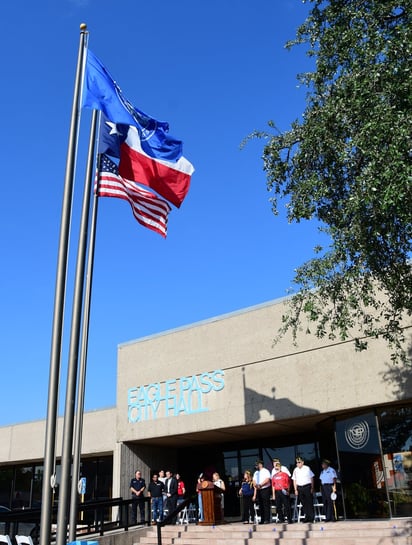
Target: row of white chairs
[20, 540]
[296, 508]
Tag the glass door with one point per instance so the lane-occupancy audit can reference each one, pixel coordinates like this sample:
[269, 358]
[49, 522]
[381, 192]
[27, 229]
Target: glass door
[396, 438]
[361, 467]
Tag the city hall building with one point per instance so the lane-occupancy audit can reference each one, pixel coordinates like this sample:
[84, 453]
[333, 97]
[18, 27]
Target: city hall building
[219, 394]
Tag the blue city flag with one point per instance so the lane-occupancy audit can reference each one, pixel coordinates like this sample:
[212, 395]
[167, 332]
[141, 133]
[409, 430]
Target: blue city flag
[101, 92]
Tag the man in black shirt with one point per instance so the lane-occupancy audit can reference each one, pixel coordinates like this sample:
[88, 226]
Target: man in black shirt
[155, 491]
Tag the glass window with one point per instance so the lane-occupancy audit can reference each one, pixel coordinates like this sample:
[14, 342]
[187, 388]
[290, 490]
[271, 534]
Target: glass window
[37, 487]
[98, 474]
[248, 460]
[286, 456]
[6, 480]
[396, 439]
[22, 487]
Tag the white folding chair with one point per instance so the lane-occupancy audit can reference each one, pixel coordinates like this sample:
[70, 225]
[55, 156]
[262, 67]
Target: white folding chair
[274, 512]
[24, 540]
[5, 539]
[257, 514]
[318, 507]
[183, 517]
[191, 513]
[297, 510]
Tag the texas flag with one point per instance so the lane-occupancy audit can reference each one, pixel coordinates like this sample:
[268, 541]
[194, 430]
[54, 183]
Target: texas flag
[169, 179]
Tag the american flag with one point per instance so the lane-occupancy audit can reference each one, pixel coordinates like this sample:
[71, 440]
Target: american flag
[150, 210]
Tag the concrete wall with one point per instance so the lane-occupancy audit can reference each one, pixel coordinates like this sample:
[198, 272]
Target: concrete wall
[262, 382]
[25, 442]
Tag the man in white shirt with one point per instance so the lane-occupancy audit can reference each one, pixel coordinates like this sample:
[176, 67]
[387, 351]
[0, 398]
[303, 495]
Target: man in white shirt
[263, 488]
[304, 484]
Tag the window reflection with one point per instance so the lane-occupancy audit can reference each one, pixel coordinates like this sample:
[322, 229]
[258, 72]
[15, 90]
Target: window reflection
[396, 438]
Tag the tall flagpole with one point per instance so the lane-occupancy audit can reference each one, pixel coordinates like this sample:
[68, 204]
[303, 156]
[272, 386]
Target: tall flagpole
[72, 370]
[78, 428]
[59, 301]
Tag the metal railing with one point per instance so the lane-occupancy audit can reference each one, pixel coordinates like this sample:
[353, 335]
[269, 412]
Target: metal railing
[94, 517]
[171, 517]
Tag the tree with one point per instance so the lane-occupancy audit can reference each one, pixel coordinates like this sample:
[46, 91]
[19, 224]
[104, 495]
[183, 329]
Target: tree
[347, 163]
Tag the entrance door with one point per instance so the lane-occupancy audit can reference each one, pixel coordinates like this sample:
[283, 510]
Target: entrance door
[396, 437]
[362, 475]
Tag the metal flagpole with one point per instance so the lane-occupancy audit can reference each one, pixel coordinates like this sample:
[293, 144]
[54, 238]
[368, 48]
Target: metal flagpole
[72, 371]
[78, 429]
[59, 300]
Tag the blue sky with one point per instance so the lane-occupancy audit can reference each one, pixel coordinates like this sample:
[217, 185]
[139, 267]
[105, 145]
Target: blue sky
[215, 71]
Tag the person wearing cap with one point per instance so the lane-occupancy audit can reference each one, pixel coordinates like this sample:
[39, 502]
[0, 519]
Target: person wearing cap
[280, 487]
[304, 484]
[282, 467]
[263, 489]
[328, 478]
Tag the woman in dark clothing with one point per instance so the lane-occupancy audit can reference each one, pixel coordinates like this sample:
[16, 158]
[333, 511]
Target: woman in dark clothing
[246, 492]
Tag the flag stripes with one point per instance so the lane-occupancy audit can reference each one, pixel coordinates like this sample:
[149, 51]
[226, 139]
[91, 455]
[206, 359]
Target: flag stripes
[149, 210]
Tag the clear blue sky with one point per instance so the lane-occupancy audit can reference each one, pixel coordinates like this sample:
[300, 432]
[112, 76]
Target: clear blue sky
[215, 71]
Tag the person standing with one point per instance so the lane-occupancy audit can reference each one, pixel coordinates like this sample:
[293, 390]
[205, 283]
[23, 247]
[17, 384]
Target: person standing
[155, 492]
[246, 492]
[217, 481]
[199, 487]
[328, 478]
[137, 488]
[263, 489]
[181, 490]
[162, 478]
[171, 494]
[280, 486]
[282, 467]
[304, 486]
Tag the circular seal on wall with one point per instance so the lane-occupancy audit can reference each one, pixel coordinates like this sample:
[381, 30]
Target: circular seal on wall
[357, 434]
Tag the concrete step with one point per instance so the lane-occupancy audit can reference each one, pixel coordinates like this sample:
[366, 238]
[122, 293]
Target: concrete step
[340, 533]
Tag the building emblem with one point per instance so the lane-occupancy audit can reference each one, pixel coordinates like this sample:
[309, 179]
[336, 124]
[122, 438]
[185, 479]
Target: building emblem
[357, 434]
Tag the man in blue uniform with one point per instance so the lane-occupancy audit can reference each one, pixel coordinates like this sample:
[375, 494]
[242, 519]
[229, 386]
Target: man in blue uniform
[328, 479]
[137, 488]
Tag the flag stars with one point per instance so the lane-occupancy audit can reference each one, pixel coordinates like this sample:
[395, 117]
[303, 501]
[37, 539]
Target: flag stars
[113, 128]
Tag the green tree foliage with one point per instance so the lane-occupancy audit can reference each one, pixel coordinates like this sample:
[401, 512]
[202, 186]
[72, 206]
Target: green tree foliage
[347, 163]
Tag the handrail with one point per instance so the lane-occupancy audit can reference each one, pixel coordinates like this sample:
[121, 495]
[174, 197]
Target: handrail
[171, 516]
[97, 508]
[93, 512]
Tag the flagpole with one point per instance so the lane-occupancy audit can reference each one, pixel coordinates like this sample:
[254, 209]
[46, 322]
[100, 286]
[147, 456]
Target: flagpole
[72, 370]
[59, 301]
[78, 427]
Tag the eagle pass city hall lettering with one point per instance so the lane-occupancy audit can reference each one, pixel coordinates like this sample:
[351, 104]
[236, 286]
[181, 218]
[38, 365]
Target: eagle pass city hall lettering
[173, 397]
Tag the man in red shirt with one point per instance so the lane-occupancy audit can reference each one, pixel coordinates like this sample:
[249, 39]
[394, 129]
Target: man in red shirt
[280, 487]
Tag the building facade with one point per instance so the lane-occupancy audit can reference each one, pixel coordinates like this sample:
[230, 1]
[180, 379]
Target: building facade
[217, 395]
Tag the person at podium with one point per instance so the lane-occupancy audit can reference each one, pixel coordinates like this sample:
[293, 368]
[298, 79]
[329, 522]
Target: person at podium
[217, 481]
[199, 496]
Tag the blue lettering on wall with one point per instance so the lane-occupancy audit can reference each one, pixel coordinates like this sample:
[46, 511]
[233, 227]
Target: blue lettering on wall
[173, 397]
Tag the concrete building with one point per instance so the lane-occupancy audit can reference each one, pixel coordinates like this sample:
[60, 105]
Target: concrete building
[218, 395]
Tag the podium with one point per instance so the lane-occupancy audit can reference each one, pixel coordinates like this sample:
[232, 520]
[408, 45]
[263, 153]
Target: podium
[212, 504]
